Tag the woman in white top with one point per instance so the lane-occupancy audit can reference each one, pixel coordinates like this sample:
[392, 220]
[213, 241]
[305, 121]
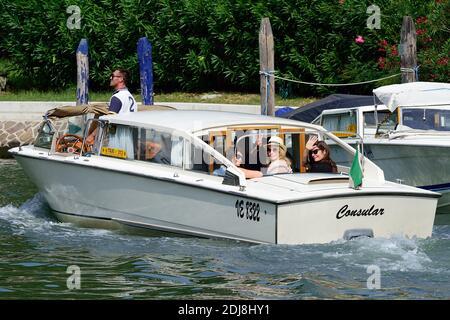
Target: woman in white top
[279, 163]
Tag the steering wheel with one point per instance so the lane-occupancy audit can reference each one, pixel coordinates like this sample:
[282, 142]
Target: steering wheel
[71, 143]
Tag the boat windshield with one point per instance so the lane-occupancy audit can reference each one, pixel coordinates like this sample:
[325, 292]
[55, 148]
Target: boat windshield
[45, 135]
[426, 119]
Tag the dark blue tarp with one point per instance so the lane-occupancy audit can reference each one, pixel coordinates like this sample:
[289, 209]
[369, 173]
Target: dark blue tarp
[309, 112]
[283, 110]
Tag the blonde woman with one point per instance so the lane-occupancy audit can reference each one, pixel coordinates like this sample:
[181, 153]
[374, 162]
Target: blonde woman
[279, 163]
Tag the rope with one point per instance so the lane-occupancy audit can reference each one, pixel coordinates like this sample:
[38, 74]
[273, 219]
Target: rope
[330, 84]
[414, 70]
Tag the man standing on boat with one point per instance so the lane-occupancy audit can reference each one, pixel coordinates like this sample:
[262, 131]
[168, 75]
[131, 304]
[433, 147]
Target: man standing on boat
[122, 101]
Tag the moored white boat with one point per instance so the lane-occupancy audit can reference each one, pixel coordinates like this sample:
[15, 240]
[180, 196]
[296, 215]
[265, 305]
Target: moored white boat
[178, 191]
[409, 138]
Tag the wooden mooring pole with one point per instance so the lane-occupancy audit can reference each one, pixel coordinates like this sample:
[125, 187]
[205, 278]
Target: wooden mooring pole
[408, 51]
[144, 52]
[82, 73]
[267, 65]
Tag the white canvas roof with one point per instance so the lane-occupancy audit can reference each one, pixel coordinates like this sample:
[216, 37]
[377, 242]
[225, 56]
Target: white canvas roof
[414, 94]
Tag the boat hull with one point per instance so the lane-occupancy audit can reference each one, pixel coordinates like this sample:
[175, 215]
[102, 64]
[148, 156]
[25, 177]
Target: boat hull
[98, 197]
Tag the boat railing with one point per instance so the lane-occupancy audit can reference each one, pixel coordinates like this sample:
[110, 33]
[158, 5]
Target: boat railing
[416, 132]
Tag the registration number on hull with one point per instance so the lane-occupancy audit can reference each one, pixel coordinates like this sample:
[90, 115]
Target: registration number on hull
[248, 210]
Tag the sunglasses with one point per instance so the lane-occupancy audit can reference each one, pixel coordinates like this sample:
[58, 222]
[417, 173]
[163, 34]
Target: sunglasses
[114, 76]
[315, 151]
[272, 150]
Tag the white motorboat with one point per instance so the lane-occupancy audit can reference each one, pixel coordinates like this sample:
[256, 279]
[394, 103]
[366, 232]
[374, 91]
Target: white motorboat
[168, 171]
[408, 137]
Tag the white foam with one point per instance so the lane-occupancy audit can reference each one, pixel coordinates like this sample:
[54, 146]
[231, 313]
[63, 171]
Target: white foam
[396, 254]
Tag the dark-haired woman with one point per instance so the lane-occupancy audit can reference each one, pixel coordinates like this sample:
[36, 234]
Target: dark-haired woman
[317, 156]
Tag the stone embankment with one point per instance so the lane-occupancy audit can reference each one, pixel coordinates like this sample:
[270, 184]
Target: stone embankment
[20, 121]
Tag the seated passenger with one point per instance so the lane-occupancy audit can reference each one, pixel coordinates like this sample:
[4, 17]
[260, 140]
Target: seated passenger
[279, 163]
[317, 157]
[156, 153]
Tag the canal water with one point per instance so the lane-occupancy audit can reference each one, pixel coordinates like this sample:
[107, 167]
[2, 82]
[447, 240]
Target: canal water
[41, 258]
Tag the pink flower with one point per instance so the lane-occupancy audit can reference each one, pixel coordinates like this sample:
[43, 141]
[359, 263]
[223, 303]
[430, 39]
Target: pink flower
[359, 39]
[381, 62]
[394, 51]
[420, 31]
[442, 61]
[420, 20]
[383, 43]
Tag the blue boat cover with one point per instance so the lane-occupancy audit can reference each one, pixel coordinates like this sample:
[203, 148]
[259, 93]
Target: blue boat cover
[312, 110]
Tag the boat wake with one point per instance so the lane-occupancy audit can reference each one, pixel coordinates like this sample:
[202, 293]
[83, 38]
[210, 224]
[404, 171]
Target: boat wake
[30, 215]
[34, 219]
[392, 254]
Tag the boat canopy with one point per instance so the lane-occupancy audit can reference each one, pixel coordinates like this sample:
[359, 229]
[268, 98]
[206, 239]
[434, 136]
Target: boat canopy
[414, 94]
[100, 109]
[72, 111]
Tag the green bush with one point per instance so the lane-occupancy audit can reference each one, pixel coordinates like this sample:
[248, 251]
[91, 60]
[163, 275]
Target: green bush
[201, 45]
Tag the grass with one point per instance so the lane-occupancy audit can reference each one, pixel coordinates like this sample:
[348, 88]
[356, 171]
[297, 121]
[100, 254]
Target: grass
[207, 97]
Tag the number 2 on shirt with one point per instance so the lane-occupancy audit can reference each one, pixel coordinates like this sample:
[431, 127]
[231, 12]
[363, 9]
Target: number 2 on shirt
[132, 104]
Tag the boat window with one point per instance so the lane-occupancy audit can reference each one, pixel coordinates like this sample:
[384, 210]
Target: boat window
[119, 141]
[426, 119]
[342, 124]
[369, 118]
[389, 123]
[250, 148]
[45, 136]
[248, 145]
[133, 143]
[195, 157]
[294, 141]
[157, 147]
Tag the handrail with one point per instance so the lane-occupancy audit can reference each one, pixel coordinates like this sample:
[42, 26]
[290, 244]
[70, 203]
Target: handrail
[399, 134]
